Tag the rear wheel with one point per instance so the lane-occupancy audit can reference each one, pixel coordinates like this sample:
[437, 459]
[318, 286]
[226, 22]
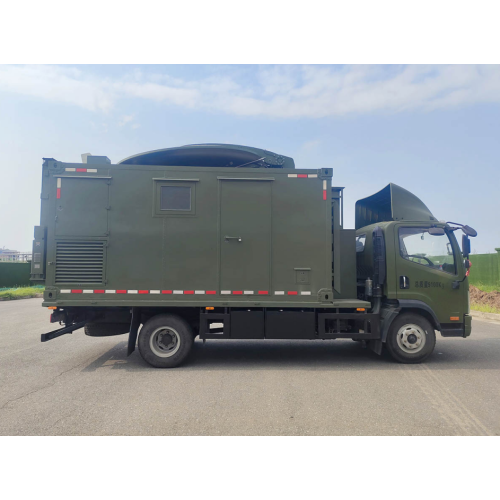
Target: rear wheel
[411, 338]
[165, 341]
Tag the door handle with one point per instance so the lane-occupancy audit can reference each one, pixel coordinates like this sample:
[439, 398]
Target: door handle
[229, 238]
[404, 282]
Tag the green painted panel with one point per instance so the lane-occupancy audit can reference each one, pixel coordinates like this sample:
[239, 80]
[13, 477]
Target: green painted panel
[245, 235]
[485, 269]
[81, 209]
[14, 274]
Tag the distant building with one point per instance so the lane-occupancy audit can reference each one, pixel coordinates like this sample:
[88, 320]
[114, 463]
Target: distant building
[7, 255]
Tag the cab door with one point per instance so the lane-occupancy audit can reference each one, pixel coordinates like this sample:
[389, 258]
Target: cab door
[426, 267]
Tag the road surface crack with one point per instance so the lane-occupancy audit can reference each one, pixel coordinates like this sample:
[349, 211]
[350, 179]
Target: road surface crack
[48, 384]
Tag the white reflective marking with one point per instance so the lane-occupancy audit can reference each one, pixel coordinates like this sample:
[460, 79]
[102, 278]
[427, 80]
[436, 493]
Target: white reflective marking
[58, 182]
[131, 291]
[178, 292]
[199, 292]
[94, 170]
[225, 292]
[154, 291]
[110, 291]
[292, 175]
[64, 291]
[305, 293]
[70, 169]
[88, 291]
[312, 176]
[279, 293]
[248, 292]
[324, 185]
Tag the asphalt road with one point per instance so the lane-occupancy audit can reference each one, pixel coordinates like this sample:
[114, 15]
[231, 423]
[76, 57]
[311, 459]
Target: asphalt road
[77, 385]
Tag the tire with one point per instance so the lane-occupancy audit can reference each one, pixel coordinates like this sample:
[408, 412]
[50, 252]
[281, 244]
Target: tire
[411, 338]
[165, 341]
[106, 329]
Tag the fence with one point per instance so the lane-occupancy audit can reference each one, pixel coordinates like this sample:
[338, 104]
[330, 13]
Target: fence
[485, 269]
[14, 274]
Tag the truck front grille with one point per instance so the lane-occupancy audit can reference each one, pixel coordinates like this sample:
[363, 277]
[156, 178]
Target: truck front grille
[80, 262]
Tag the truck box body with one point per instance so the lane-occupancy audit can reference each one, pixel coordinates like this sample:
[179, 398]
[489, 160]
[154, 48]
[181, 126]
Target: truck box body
[126, 234]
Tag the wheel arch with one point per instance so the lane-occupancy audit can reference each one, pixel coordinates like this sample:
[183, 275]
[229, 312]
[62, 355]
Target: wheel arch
[410, 306]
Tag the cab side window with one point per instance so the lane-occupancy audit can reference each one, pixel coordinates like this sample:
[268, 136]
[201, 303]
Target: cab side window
[434, 251]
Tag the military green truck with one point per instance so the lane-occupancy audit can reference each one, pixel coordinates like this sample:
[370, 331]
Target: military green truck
[234, 242]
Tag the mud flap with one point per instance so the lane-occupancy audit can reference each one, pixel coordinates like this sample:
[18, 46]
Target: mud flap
[134, 328]
[375, 346]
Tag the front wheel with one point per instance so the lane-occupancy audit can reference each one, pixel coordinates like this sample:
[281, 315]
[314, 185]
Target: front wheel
[165, 341]
[411, 338]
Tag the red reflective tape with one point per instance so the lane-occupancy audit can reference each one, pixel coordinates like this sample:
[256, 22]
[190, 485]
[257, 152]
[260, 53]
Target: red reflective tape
[188, 292]
[121, 291]
[302, 176]
[58, 193]
[293, 293]
[324, 194]
[166, 291]
[76, 291]
[239, 292]
[81, 169]
[143, 291]
[98, 291]
[211, 292]
[263, 292]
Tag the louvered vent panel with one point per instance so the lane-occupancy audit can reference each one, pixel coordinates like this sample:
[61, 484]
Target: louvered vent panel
[80, 262]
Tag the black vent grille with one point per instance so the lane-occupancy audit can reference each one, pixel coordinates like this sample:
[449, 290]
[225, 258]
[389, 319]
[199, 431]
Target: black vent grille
[80, 262]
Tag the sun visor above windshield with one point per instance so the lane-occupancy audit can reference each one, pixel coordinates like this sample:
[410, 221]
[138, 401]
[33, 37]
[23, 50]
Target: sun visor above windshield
[390, 204]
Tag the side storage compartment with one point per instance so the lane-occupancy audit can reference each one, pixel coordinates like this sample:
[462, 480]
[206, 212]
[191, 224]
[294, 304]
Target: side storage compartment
[247, 324]
[290, 325]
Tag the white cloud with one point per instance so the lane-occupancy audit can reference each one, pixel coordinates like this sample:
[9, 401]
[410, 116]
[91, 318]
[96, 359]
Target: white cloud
[268, 91]
[125, 119]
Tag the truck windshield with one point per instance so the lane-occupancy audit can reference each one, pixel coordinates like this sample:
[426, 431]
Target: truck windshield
[436, 252]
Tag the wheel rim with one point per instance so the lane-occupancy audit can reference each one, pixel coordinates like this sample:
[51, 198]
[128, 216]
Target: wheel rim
[165, 342]
[411, 338]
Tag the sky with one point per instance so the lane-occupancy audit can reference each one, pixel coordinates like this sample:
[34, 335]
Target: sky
[434, 130]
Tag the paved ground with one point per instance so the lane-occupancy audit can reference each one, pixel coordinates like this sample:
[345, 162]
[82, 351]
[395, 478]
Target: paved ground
[81, 385]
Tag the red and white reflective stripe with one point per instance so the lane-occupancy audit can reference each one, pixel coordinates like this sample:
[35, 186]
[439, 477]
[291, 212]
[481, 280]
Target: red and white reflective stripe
[90, 170]
[187, 292]
[324, 190]
[303, 176]
[58, 188]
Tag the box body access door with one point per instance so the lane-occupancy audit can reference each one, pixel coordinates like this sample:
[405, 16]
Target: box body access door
[245, 236]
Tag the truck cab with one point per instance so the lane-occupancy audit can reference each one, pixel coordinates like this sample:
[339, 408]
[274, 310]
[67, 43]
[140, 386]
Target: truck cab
[425, 270]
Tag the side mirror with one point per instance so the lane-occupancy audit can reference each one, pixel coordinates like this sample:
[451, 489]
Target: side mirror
[465, 245]
[469, 231]
[436, 231]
